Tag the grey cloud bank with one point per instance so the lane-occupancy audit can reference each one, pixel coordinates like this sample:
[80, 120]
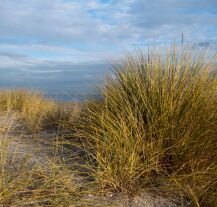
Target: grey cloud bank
[57, 79]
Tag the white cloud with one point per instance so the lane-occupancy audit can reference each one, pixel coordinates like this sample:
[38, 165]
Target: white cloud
[93, 30]
[61, 44]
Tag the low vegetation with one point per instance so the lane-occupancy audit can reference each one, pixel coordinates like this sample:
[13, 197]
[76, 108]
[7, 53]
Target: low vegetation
[154, 128]
[36, 112]
[25, 181]
[29, 176]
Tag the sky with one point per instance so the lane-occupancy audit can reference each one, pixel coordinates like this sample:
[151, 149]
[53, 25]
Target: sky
[50, 36]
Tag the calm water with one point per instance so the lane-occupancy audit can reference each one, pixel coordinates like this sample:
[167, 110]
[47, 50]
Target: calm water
[71, 82]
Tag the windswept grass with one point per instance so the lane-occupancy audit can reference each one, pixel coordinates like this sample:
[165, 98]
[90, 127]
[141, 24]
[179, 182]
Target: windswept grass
[13, 100]
[32, 174]
[156, 125]
[62, 116]
[31, 107]
[26, 180]
[37, 112]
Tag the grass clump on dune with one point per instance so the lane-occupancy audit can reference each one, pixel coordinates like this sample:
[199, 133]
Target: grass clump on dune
[156, 125]
[37, 112]
[13, 100]
[34, 172]
[31, 107]
[26, 180]
[62, 116]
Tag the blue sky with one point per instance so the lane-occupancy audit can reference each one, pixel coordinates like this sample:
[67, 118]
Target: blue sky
[36, 34]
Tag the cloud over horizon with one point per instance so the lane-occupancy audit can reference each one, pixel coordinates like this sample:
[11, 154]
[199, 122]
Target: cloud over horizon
[43, 34]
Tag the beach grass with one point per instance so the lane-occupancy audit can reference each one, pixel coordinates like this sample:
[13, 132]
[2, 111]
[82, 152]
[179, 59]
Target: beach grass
[156, 125]
[29, 180]
[153, 129]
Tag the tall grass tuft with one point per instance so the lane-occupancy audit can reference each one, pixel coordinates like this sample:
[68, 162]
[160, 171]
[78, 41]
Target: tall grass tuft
[62, 116]
[35, 110]
[31, 107]
[156, 125]
[13, 100]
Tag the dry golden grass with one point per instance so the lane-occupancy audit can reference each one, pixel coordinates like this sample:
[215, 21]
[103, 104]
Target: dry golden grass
[34, 112]
[30, 180]
[62, 116]
[13, 100]
[31, 175]
[156, 125]
[31, 107]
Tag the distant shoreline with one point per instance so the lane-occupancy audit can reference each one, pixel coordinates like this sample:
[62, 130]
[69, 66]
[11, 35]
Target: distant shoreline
[71, 97]
[66, 96]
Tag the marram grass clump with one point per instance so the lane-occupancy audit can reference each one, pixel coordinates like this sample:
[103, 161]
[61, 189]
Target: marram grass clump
[31, 107]
[36, 112]
[156, 125]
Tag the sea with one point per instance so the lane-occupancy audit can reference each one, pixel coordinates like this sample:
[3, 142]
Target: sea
[75, 82]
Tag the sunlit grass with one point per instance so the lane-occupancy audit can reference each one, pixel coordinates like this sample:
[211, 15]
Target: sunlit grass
[37, 112]
[31, 107]
[29, 177]
[27, 180]
[156, 125]
[62, 116]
